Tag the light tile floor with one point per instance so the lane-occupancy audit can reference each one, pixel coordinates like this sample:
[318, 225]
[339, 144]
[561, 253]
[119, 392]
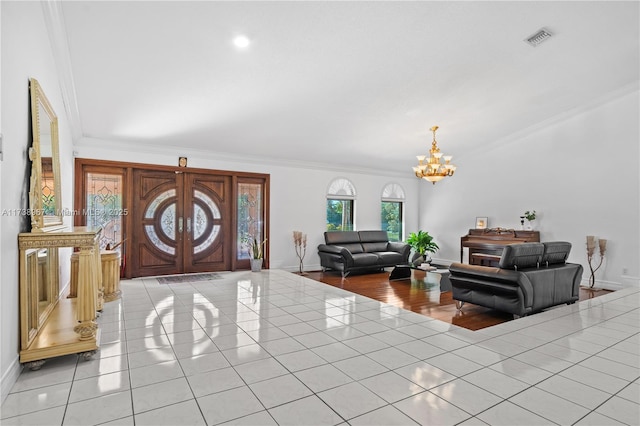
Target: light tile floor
[275, 348]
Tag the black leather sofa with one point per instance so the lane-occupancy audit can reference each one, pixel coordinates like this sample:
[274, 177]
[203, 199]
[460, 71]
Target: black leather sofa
[529, 278]
[349, 251]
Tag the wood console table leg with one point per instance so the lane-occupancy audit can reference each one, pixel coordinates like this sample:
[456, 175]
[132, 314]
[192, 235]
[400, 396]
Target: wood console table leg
[87, 294]
[99, 283]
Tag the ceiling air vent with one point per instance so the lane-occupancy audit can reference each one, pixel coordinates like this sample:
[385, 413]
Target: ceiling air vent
[538, 37]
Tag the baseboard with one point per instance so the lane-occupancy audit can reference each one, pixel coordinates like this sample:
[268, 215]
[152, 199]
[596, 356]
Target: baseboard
[9, 378]
[630, 282]
[605, 285]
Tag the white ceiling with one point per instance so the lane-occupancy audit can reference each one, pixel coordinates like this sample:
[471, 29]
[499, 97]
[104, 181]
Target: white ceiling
[354, 84]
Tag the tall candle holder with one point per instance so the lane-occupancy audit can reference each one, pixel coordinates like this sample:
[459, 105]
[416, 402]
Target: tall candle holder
[591, 251]
[300, 242]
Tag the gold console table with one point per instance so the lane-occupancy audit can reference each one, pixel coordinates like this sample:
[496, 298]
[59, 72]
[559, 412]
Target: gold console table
[52, 325]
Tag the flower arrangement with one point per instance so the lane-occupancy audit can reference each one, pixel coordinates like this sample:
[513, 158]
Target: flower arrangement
[530, 215]
[300, 243]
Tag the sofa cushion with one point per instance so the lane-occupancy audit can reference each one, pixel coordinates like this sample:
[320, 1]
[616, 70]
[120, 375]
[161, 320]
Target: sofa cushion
[375, 247]
[365, 259]
[518, 256]
[555, 252]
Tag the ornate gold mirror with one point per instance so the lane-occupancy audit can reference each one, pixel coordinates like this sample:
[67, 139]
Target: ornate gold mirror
[44, 193]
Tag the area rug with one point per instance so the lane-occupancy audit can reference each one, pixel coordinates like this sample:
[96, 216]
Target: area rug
[190, 278]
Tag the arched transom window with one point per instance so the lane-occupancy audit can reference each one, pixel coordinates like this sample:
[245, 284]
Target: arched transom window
[341, 196]
[392, 212]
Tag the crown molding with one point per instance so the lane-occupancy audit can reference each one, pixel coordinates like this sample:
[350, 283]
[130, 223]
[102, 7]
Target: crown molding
[558, 118]
[54, 22]
[94, 143]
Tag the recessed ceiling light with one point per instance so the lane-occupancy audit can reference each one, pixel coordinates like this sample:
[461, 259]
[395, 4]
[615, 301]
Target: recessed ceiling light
[241, 42]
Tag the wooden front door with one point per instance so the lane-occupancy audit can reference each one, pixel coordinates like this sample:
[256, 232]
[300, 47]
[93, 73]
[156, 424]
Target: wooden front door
[207, 242]
[184, 223]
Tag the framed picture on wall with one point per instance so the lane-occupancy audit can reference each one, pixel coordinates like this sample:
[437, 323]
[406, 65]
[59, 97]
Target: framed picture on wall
[481, 223]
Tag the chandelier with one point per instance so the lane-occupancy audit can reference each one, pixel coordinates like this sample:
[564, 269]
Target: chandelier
[435, 167]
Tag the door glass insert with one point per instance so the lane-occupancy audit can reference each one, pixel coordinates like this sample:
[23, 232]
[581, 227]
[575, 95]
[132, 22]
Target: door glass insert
[151, 209]
[168, 220]
[157, 242]
[205, 213]
[164, 207]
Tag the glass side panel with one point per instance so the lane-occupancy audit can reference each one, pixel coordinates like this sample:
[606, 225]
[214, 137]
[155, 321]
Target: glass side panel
[250, 224]
[391, 219]
[104, 206]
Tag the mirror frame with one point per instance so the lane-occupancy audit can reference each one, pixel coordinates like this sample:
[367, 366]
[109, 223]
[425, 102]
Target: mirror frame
[41, 107]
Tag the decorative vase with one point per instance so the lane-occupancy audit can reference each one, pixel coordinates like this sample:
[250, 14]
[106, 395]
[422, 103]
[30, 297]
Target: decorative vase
[530, 225]
[256, 265]
[417, 259]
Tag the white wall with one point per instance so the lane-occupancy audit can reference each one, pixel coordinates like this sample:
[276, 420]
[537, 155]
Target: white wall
[298, 195]
[26, 53]
[580, 173]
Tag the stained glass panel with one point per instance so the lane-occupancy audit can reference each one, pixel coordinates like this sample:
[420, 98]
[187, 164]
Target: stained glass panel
[168, 221]
[48, 188]
[151, 208]
[104, 206]
[210, 239]
[157, 242]
[249, 217]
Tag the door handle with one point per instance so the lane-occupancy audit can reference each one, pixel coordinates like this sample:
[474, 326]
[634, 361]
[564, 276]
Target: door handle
[189, 225]
[180, 225]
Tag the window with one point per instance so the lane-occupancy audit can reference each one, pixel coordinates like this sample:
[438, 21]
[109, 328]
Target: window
[391, 209]
[340, 205]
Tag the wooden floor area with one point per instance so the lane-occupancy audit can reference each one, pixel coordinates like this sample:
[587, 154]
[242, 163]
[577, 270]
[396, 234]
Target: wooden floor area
[416, 295]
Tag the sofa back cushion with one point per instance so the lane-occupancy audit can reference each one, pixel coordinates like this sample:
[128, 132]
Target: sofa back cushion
[347, 239]
[555, 252]
[374, 241]
[373, 236]
[340, 238]
[524, 255]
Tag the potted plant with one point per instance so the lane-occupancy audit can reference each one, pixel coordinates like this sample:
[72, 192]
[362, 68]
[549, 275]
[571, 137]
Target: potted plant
[255, 250]
[422, 243]
[530, 216]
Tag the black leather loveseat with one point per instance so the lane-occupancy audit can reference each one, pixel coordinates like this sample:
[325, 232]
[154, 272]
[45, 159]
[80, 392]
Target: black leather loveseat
[529, 278]
[348, 251]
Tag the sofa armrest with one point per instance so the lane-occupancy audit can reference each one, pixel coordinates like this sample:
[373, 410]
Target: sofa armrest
[489, 274]
[399, 247]
[337, 250]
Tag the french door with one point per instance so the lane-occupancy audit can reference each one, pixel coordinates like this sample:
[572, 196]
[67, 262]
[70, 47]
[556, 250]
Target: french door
[184, 222]
[171, 220]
